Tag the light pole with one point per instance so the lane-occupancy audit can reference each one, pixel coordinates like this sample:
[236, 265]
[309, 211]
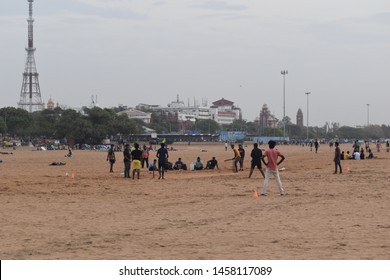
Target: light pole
[307, 116]
[284, 73]
[368, 114]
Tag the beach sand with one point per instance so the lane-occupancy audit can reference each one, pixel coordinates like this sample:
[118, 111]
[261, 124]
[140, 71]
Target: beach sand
[209, 214]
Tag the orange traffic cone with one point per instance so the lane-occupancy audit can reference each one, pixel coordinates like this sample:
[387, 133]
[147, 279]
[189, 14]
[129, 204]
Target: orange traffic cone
[72, 175]
[255, 195]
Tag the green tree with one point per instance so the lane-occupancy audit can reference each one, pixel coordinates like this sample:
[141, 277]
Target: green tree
[207, 126]
[3, 126]
[161, 122]
[74, 127]
[236, 125]
[17, 120]
[44, 123]
[124, 125]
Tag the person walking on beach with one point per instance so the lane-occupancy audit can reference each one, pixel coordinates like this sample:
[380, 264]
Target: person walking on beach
[136, 155]
[162, 155]
[256, 156]
[272, 163]
[316, 145]
[337, 158]
[127, 160]
[111, 157]
[236, 158]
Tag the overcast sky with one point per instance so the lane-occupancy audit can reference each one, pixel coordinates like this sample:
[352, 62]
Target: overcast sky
[149, 51]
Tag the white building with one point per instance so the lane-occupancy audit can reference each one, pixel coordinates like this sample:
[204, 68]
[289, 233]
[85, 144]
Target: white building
[136, 114]
[223, 111]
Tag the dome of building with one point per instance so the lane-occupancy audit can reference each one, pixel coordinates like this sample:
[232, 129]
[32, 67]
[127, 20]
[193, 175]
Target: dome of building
[50, 104]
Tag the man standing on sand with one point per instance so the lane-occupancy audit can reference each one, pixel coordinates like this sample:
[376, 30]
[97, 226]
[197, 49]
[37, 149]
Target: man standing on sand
[136, 155]
[272, 163]
[337, 158]
[111, 157]
[162, 155]
[256, 156]
[242, 156]
[127, 160]
[236, 159]
[316, 145]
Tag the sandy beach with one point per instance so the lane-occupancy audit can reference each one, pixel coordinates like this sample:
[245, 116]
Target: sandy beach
[209, 214]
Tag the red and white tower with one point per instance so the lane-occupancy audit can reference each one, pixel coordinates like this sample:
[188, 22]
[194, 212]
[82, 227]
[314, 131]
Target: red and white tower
[30, 94]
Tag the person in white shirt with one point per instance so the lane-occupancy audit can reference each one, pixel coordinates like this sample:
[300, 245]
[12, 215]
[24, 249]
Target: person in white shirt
[356, 155]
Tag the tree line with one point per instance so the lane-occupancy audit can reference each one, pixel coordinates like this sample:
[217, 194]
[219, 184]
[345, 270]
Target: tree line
[92, 125]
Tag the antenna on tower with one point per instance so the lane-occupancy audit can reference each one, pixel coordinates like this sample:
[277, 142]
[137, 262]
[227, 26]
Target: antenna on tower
[30, 94]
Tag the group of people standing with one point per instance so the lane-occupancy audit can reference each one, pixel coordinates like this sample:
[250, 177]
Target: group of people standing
[270, 159]
[136, 159]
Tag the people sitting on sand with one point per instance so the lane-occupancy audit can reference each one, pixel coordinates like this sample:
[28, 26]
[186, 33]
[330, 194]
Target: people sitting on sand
[362, 155]
[153, 165]
[180, 165]
[69, 154]
[168, 165]
[356, 155]
[198, 165]
[347, 155]
[342, 155]
[212, 163]
[370, 154]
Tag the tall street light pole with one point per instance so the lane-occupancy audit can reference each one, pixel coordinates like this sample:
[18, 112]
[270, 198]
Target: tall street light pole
[368, 114]
[284, 73]
[307, 116]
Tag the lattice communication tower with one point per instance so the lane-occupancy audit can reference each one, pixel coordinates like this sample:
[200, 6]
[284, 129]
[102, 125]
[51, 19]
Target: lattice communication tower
[30, 94]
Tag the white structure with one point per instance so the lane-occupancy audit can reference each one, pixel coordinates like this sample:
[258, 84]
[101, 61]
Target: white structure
[183, 112]
[223, 111]
[136, 114]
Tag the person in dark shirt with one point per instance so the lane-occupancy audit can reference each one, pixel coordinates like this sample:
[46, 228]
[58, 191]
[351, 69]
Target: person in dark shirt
[212, 163]
[316, 145]
[242, 156]
[336, 159]
[127, 160]
[136, 155]
[256, 156]
[180, 165]
[162, 155]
